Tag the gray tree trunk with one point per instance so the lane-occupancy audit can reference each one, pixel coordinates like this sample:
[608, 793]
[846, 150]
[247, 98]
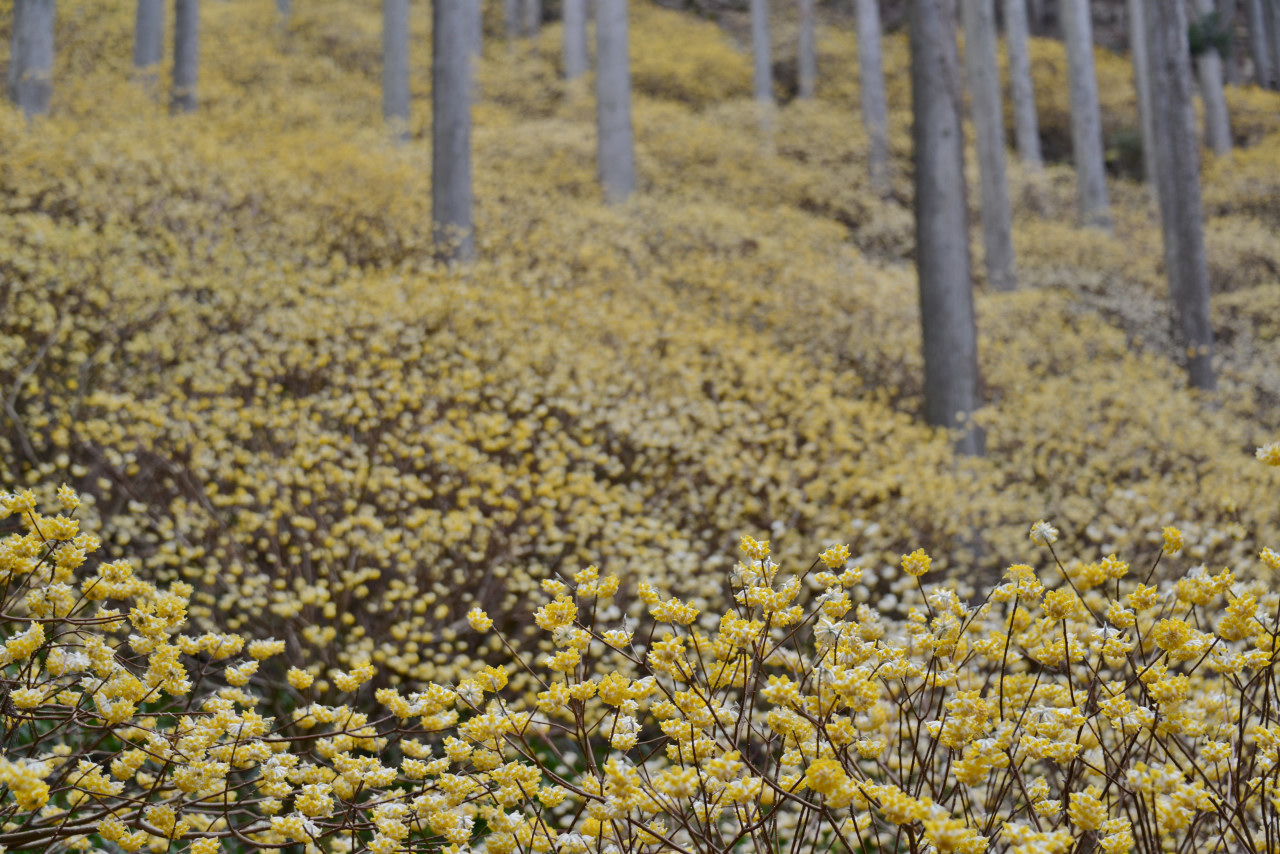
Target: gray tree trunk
[576, 62]
[987, 110]
[532, 15]
[1025, 121]
[148, 41]
[1217, 123]
[1142, 83]
[285, 8]
[477, 29]
[1259, 45]
[951, 383]
[1086, 118]
[1271, 9]
[763, 51]
[451, 201]
[186, 55]
[1178, 167]
[615, 150]
[395, 66]
[511, 18]
[1230, 64]
[31, 56]
[807, 52]
[875, 106]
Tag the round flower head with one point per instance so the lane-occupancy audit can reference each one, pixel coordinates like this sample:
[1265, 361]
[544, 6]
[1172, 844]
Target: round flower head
[1043, 534]
[1270, 454]
[916, 564]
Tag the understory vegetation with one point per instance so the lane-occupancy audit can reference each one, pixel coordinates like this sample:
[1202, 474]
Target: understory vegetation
[290, 436]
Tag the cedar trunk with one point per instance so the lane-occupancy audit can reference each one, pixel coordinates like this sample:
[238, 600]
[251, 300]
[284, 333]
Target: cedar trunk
[1142, 83]
[1025, 122]
[762, 50]
[806, 52]
[575, 38]
[615, 145]
[186, 55]
[451, 201]
[31, 56]
[875, 107]
[1086, 118]
[395, 67]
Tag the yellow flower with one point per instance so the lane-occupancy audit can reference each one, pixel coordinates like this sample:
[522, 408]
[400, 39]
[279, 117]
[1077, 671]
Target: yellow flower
[916, 564]
[1270, 454]
[299, 678]
[479, 620]
[1172, 541]
[755, 549]
[1060, 604]
[835, 557]
[1043, 534]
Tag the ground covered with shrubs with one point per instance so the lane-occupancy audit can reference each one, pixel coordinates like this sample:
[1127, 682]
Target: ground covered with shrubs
[227, 332]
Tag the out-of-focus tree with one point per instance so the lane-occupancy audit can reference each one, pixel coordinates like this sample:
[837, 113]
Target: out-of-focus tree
[951, 382]
[451, 192]
[574, 17]
[762, 49]
[1022, 92]
[1259, 44]
[1178, 172]
[511, 18]
[148, 41]
[186, 55]
[1210, 43]
[531, 18]
[987, 110]
[30, 80]
[395, 66]
[1086, 117]
[615, 146]
[1142, 84]
[806, 52]
[875, 106]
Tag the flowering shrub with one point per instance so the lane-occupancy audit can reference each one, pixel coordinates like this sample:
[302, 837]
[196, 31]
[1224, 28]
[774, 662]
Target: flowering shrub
[1082, 706]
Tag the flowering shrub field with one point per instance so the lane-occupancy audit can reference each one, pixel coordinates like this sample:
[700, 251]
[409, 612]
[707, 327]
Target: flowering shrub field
[372, 552]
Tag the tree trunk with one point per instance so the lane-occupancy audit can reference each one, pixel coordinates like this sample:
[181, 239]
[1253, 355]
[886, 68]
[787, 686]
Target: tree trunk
[511, 18]
[1217, 124]
[875, 107]
[807, 52]
[148, 41]
[987, 109]
[186, 55]
[31, 56]
[451, 130]
[1271, 8]
[1178, 168]
[285, 8]
[477, 31]
[532, 23]
[576, 62]
[1025, 122]
[615, 151]
[1259, 45]
[942, 242]
[1230, 63]
[1086, 118]
[395, 67]
[1142, 84]
[763, 51]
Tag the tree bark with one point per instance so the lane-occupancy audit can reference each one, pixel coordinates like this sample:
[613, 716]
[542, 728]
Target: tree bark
[395, 67]
[148, 41]
[1271, 9]
[987, 110]
[1230, 64]
[615, 144]
[576, 62]
[875, 107]
[511, 18]
[30, 81]
[951, 384]
[1142, 83]
[285, 8]
[762, 50]
[532, 15]
[807, 52]
[1025, 121]
[1086, 118]
[1178, 168]
[1259, 45]
[451, 201]
[1217, 123]
[186, 55]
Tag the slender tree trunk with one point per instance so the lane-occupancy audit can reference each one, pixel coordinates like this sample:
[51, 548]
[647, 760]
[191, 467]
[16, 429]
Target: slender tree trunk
[1271, 9]
[875, 106]
[186, 55]
[1217, 123]
[615, 144]
[1025, 122]
[763, 51]
[951, 383]
[30, 81]
[285, 8]
[451, 130]
[395, 67]
[807, 52]
[983, 77]
[532, 13]
[576, 62]
[1178, 168]
[1259, 45]
[1086, 117]
[1142, 83]
[1230, 63]
[477, 32]
[511, 18]
[1039, 22]
[148, 42]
